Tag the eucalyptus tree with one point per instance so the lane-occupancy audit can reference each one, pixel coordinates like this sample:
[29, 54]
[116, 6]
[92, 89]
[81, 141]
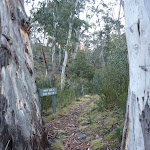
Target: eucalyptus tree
[20, 116]
[137, 127]
[70, 22]
[60, 19]
[104, 30]
[81, 69]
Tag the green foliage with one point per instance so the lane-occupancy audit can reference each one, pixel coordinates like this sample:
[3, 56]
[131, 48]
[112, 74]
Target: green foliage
[96, 87]
[81, 73]
[100, 104]
[118, 112]
[113, 80]
[46, 102]
[118, 133]
[53, 18]
[58, 145]
[65, 97]
[81, 68]
[97, 144]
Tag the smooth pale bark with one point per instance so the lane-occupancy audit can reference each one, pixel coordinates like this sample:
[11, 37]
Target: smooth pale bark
[66, 54]
[60, 49]
[20, 117]
[54, 43]
[102, 58]
[63, 70]
[137, 17]
[71, 19]
[100, 41]
[78, 36]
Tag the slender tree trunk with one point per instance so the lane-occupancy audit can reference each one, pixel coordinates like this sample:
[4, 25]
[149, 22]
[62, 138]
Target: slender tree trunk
[54, 43]
[66, 53]
[20, 117]
[63, 70]
[137, 17]
[60, 51]
[102, 55]
[71, 19]
[78, 35]
[47, 74]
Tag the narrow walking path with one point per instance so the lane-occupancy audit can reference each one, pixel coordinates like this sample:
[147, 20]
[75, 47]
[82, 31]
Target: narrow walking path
[67, 128]
[86, 127]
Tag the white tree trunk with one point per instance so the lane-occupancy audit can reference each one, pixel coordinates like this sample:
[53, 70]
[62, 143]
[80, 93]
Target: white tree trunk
[60, 51]
[63, 70]
[54, 43]
[102, 57]
[71, 19]
[137, 15]
[66, 53]
[53, 55]
[20, 117]
[78, 36]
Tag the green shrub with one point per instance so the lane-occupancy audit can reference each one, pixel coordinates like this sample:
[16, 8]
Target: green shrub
[100, 104]
[118, 133]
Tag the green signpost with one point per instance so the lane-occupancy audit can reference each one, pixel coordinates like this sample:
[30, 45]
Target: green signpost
[48, 92]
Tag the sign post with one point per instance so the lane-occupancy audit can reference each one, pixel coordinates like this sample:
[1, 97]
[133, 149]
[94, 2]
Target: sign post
[48, 92]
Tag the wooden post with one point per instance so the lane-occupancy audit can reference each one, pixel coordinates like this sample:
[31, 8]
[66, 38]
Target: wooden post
[54, 104]
[48, 92]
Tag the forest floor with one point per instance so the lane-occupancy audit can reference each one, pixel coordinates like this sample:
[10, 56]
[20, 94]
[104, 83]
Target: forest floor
[81, 127]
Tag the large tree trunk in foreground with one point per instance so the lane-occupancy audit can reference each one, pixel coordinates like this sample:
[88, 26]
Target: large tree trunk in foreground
[20, 118]
[137, 15]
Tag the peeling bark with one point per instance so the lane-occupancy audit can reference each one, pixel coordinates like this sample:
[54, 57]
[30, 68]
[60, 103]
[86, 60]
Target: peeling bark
[145, 124]
[126, 128]
[137, 15]
[20, 117]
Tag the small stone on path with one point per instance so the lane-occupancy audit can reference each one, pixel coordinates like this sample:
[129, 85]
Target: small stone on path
[81, 137]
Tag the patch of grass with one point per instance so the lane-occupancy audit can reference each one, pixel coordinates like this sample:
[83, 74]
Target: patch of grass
[81, 119]
[95, 127]
[97, 144]
[64, 111]
[102, 123]
[110, 121]
[49, 118]
[62, 137]
[99, 105]
[90, 138]
[83, 127]
[58, 145]
[118, 133]
[60, 131]
[109, 137]
[113, 144]
[106, 130]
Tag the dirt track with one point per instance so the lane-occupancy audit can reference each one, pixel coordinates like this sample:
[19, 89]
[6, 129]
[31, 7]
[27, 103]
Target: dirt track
[73, 137]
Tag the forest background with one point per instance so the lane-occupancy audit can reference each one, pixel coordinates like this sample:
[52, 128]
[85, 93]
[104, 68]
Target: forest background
[85, 50]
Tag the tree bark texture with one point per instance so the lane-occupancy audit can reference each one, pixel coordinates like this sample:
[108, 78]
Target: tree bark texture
[20, 117]
[71, 18]
[63, 70]
[137, 17]
[54, 43]
[78, 36]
